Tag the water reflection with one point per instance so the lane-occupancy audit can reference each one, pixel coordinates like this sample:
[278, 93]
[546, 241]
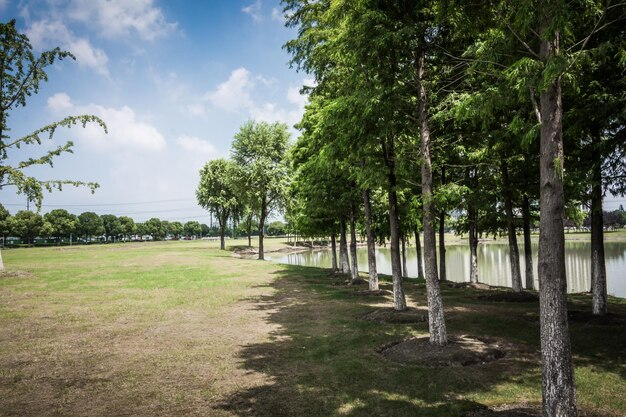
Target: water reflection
[493, 263]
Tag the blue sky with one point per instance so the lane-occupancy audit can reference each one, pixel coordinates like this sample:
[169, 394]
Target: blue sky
[173, 80]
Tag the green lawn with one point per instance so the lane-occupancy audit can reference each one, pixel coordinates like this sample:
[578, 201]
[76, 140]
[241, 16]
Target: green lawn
[181, 328]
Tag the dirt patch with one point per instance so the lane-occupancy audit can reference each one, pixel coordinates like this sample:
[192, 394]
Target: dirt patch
[510, 297]
[512, 410]
[475, 285]
[460, 351]
[15, 274]
[389, 315]
[523, 410]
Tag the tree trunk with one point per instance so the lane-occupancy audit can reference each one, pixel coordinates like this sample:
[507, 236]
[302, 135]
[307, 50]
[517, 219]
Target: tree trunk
[473, 245]
[1, 261]
[262, 228]
[442, 236]
[222, 242]
[528, 249]
[403, 243]
[250, 231]
[399, 299]
[343, 247]
[333, 247]
[371, 242]
[442, 246]
[418, 249]
[598, 267]
[558, 390]
[436, 318]
[354, 272]
[516, 276]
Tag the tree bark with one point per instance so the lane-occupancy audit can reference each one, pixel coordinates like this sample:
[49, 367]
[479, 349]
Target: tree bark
[558, 390]
[442, 246]
[528, 249]
[516, 275]
[333, 247]
[473, 245]
[262, 228]
[222, 218]
[418, 249]
[442, 236]
[250, 231]
[436, 319]
[598, 267]
[371, 242]
[399, 299]
[354, 272]
[222, 240]
[343, 247]
[403, 243]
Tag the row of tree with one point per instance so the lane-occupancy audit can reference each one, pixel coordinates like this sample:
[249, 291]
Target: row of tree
[502, 111]
[59, 224]
[489, 107]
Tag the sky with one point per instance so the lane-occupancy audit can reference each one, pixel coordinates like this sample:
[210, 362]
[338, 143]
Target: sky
[173, 81]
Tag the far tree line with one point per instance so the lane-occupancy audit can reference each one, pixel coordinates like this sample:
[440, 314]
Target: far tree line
[60, 226]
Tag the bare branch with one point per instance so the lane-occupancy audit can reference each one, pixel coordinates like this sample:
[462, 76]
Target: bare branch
[528, 48]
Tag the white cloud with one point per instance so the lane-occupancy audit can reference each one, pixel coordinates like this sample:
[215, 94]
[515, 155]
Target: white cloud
[238, 93]
[126, 132]
[121, 18]
[254, 10]
[60, 103]
[3, 4]
[234, 93]
[278, 15]
[196, 145]
[45, 34]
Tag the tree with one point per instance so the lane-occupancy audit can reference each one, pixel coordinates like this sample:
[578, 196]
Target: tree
[218, 191]
[26, 225]
[154, 227]
[260, 149]
[176, 229]
[5, 229]
[127, 226]
[63, 223]
[192, 228]
[112, 226]
[141, 230]
[89, 225]
[277, 228]
[20, 76]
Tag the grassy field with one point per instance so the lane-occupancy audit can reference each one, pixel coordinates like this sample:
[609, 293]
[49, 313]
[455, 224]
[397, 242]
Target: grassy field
[181, 328]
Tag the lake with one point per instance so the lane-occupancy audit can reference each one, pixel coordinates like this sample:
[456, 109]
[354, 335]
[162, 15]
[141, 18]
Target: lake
[493, 263]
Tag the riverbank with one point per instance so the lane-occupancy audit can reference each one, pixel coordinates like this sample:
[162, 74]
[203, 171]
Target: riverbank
[181, 328]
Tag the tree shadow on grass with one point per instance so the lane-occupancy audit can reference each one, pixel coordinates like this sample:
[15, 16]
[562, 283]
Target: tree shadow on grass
[323, 361]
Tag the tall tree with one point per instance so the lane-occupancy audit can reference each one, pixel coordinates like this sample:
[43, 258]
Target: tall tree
[63, 223]
[261, 151]
[218, 191]
[89, 225]
[26, 225]
[112, 226]
[127, 226]
[21, 73]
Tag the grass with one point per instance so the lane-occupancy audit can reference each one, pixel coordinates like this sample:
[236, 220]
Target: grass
[181, 328]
